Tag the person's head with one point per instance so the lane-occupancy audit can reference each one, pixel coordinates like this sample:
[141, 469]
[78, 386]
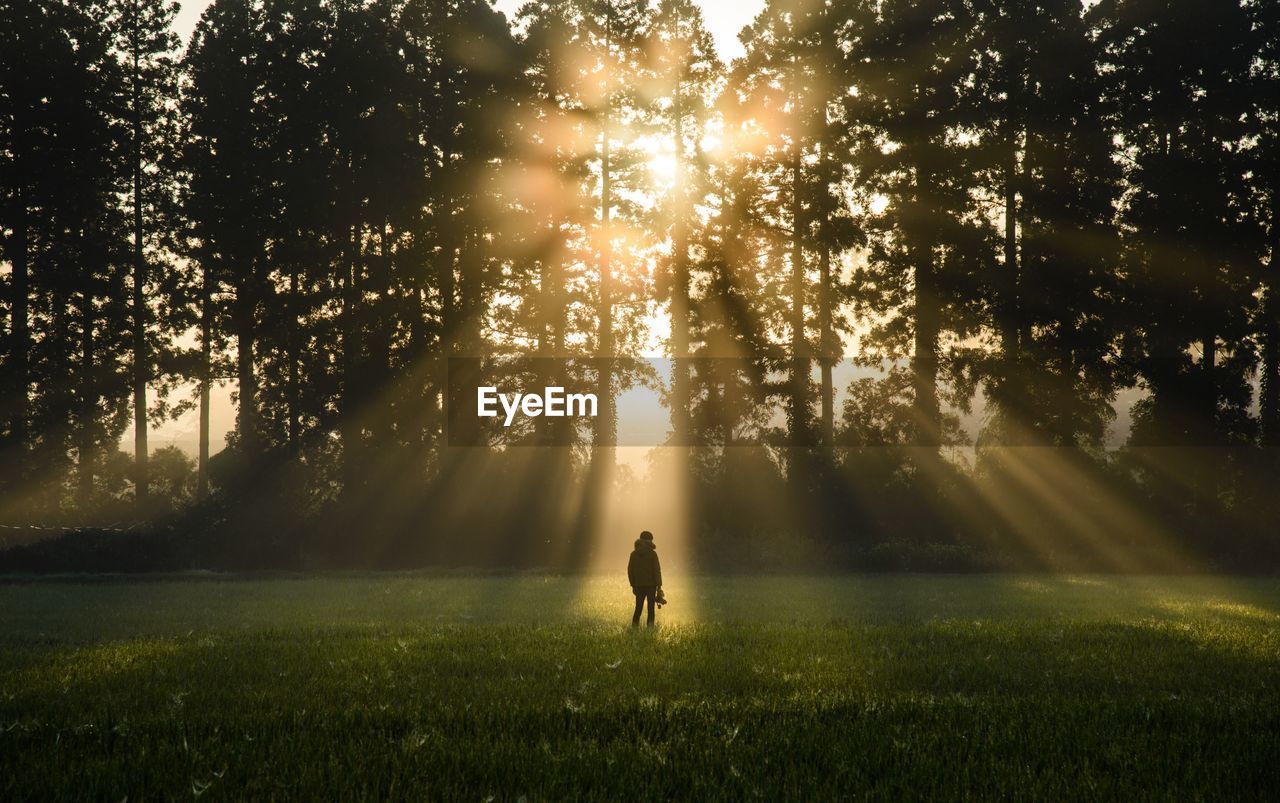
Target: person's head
[646, 536]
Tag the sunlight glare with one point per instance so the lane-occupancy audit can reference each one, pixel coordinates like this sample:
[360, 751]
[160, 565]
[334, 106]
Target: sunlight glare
[662, 169]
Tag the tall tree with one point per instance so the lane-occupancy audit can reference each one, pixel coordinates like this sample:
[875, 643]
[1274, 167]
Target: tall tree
[798, 78]
[225, 200]
[62, 243]
[778, 83]
[732, 310]
[550, 169]
[1181, 111]
[1265, 169]
[146, 48]
[1046, 134]
[687, 77]
[614, 32]
[92, 265]
[466, 64]
[25, 78]
[368, 103]
[297, 391]
[930, 240]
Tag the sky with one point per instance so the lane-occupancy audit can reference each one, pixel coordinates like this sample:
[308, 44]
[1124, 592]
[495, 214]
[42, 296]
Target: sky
[724, 19]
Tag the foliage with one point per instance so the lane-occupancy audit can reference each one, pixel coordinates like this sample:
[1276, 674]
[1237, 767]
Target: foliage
[1042, 209]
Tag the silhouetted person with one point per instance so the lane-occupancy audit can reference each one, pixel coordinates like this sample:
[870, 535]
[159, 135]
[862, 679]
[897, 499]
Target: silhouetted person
[644, 572]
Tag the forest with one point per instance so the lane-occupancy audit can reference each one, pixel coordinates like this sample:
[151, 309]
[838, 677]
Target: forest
[887, 218]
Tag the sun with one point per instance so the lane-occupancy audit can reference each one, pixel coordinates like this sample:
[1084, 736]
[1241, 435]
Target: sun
[662, 168]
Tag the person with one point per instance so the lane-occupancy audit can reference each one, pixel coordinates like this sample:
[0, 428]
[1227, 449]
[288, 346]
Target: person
[644, 572]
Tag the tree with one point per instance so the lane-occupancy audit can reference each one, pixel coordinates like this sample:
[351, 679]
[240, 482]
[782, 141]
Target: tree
[145, 46]
[930, 241]
[1264, 166]
[687, 76]
[800, 76]
[729, 387]
[613, 32]
[779, 84]
[225, 200]
[1188, 242]
[466, 64]
[24, 79]
[62, 242]
[1042, 122]
[548, 236]
[375, 163]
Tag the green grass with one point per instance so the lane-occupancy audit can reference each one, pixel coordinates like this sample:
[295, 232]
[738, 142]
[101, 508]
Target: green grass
[470, 688]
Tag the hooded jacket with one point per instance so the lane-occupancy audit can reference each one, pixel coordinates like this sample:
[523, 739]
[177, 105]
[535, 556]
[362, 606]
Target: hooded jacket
[643, 570]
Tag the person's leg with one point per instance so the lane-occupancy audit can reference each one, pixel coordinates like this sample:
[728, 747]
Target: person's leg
[635, 618]
[652, 596]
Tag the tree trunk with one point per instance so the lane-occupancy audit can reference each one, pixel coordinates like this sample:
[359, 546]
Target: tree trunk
[247, 415]
[468, 337]
[384, 417]
[1021, 319]
[1270, 390]
[19, 385]
[680, 334]
[1009, 301]
[450, 314]
[471, 294]
[606, 429]
[548, 287]
[1209, 389]
[828, 342]
[349, 416]
[927, 315]
[1205, 482]
[293, 430]
[554, 329]
[1269, 412]
[448, 298]
[141, 358]
[206, 380]
[1008, 305]
[88, 405]
[799, 374]
[925, 361]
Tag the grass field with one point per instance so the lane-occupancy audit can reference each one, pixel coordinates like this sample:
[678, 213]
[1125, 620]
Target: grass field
[534, 687]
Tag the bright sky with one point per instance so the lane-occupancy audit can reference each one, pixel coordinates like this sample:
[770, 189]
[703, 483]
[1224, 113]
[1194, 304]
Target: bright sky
[724, 19]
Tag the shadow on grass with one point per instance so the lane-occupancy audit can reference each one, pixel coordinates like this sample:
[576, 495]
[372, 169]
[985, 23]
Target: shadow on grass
[89, 610]
[1179, 706]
